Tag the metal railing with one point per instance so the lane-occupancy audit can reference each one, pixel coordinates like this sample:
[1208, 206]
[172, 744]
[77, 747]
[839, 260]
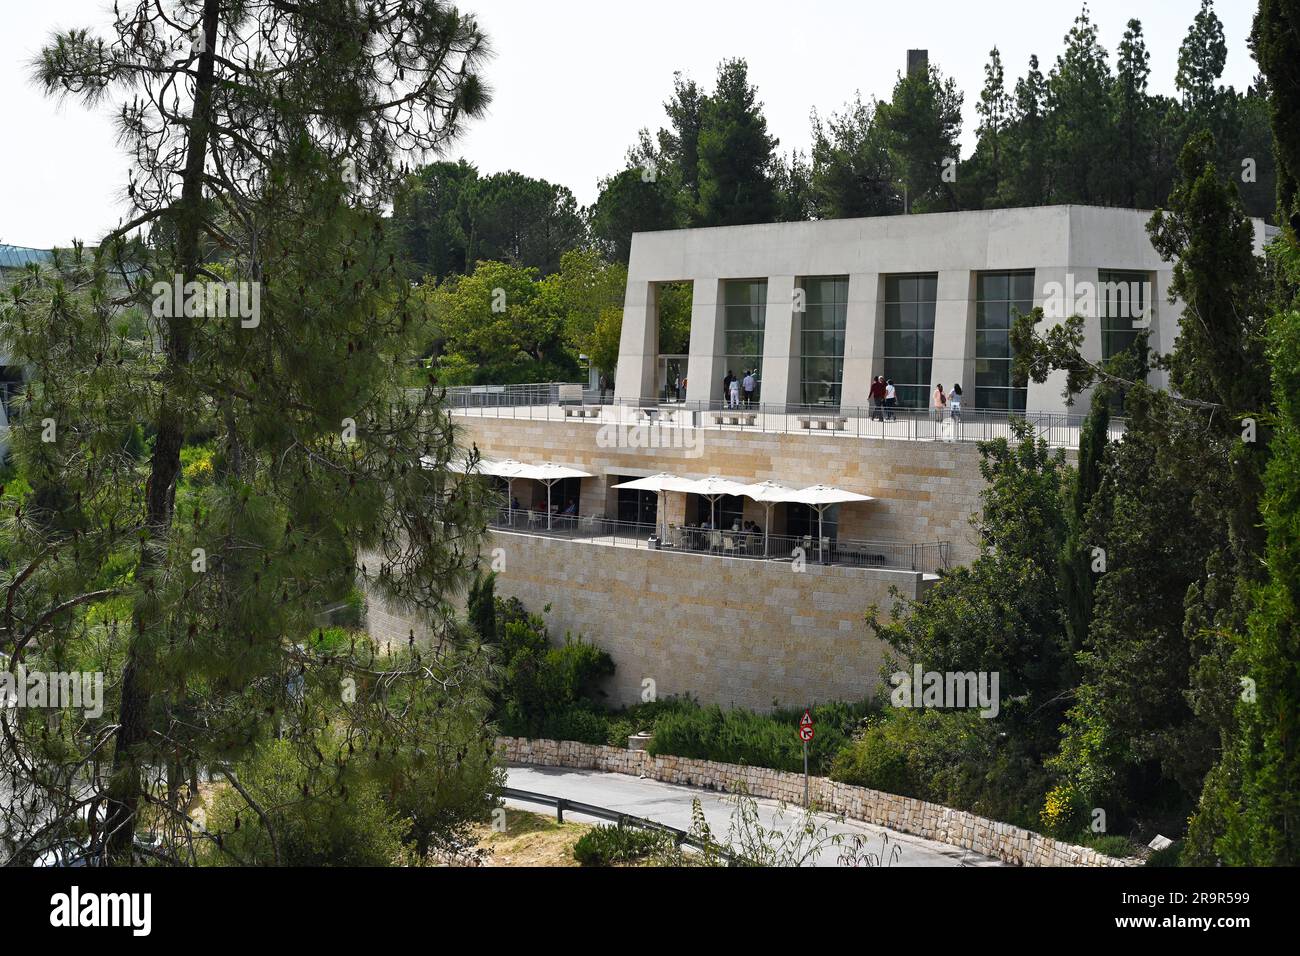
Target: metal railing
[1058, 429]
[561, 804]
[502, 396]
[927, 557]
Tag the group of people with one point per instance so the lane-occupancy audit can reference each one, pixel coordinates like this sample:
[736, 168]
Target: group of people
[737, 526]
[738, 390]
[884, 401]
[951, 401]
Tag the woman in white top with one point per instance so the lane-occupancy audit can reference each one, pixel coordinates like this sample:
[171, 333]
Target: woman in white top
[954, 402]
[891, 399]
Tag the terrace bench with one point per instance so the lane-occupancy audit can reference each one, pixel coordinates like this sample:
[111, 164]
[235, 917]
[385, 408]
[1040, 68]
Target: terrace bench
[735, 418]
[822, 422]
[581, 411]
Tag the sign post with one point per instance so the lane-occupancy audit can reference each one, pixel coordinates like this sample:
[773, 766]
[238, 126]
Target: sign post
[805, 734]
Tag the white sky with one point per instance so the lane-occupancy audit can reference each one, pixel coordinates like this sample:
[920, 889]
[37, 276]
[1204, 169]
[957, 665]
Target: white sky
[575, 79]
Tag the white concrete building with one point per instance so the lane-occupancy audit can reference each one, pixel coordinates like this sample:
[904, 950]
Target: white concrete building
[816, 309]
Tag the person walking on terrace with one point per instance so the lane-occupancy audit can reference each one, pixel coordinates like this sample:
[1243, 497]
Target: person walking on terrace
[891, 400]
[747, 383]
[954, 401]
[938, 402]
[877, 397]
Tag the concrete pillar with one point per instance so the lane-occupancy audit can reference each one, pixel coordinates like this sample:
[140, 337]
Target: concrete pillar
[1165, 316]
[1049, 396]
[706, 360]
[953, 358]
[780, 371]
[674, 505]
[1091, 330]
[638, 344]
[863, 341]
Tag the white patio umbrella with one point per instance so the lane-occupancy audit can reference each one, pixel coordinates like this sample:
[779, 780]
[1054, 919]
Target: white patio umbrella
[713, 488]
[548, 473]
[768, 493]
[822, 497]
[659, 484]
[506, 468]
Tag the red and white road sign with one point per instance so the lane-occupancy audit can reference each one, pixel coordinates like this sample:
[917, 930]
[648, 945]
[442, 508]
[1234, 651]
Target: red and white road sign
[806, 727]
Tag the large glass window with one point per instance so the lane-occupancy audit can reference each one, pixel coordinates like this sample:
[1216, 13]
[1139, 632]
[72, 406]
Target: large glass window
[1123, 298]
[729, 510]
[744, 318]
[821, 339]
[909, 335]
[636, 507]
[999, 296]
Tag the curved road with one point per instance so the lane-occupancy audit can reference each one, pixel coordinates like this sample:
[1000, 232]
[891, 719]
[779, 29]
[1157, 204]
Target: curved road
[671, 804]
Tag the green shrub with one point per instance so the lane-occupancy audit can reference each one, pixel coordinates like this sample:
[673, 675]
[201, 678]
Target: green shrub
[1064, 813]
[622, 724]
[575, 723]
[549, 686]
[955, 758]
[876, 761]
[604, 845]
[320, 829]
[327, 640]
[758, 740]
[1116, 846]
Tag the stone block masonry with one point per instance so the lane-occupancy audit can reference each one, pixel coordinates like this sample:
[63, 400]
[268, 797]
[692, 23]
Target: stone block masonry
[932, 821]
[730, 631]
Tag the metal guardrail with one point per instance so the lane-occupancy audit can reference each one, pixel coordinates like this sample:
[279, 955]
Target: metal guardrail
[927, 557]
[1058, 429]
[561, 804]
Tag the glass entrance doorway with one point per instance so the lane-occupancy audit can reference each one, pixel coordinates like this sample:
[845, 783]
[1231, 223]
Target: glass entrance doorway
[670, 378]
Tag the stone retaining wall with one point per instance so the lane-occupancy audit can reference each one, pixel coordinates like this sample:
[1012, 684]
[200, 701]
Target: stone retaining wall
[932, 821]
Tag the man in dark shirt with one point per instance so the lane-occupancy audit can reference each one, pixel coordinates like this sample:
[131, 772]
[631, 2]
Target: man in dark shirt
[878, 398]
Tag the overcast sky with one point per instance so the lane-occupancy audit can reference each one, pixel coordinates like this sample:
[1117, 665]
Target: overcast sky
[575, 79]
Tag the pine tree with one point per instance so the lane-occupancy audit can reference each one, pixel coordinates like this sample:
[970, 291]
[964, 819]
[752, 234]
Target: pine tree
[265, 138]
[852, 169]
[1078, 124]
[736, 154]
[994, 110]
[923, 123]
[1132, 116]
[1276, 42]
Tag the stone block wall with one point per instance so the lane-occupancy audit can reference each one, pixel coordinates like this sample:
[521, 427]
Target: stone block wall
[730, 631]
[932, 821]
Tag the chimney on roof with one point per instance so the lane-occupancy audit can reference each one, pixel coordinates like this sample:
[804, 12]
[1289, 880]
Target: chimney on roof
[917, 61]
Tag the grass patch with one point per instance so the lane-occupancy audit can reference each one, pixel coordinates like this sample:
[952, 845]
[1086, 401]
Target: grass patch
[530, 839]
[608, 845]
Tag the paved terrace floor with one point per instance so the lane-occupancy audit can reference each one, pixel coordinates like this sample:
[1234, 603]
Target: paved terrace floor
[1058, 429]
